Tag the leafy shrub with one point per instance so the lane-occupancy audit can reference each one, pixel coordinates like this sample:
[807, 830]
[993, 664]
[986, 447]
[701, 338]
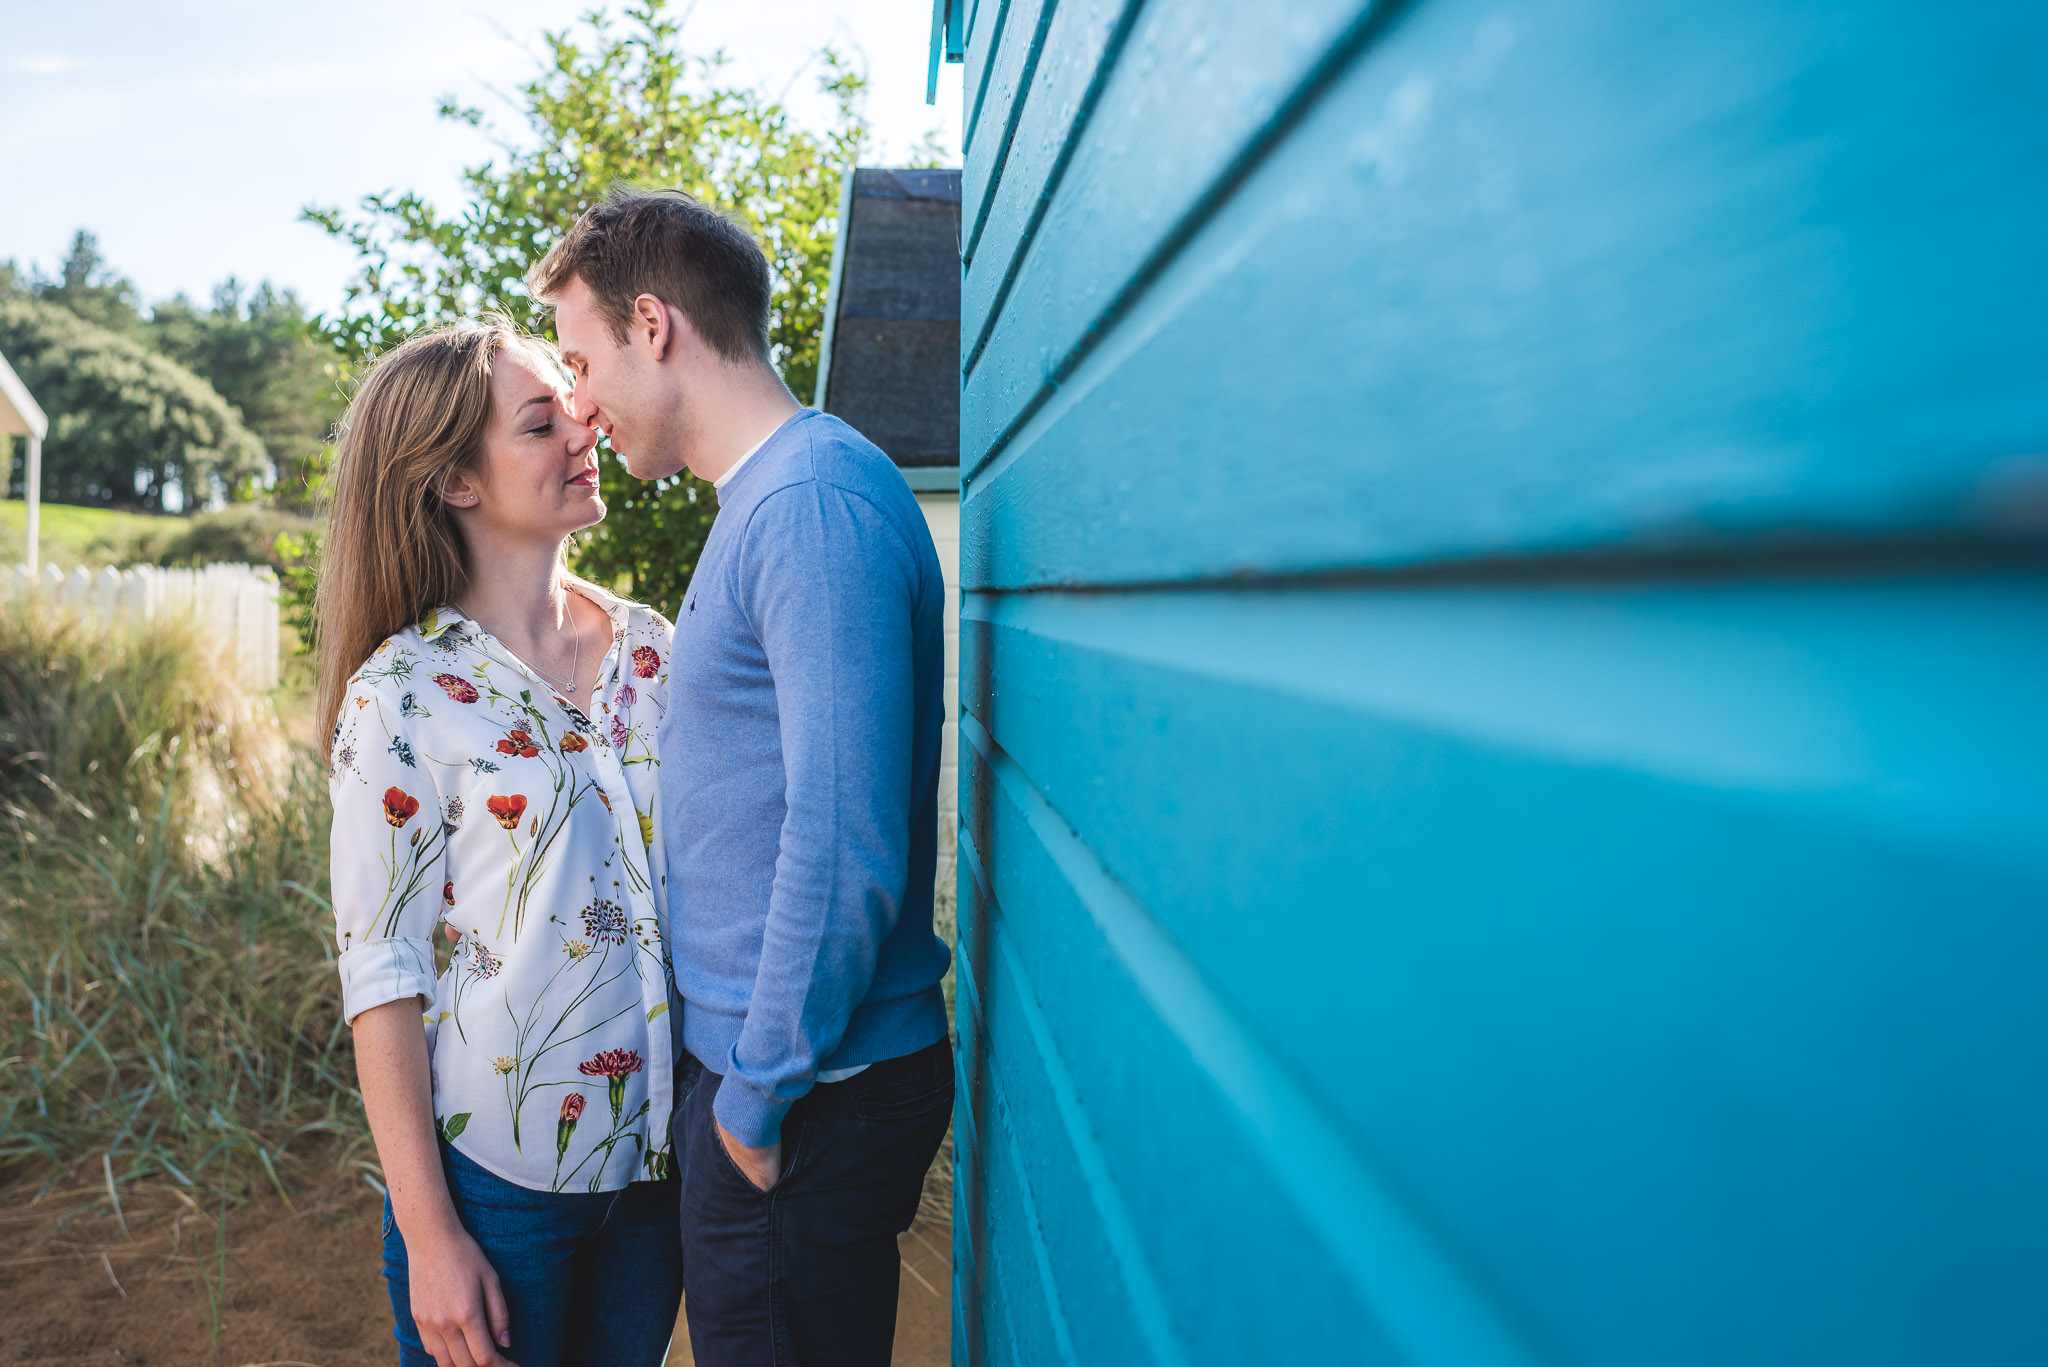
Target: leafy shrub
[242, 535]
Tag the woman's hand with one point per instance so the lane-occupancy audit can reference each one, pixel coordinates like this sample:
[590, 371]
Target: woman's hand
[457, 1304]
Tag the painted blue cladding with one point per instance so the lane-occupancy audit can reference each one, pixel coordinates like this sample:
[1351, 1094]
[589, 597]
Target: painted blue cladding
[1604, 317]
[1504, 779]
[1588, 906]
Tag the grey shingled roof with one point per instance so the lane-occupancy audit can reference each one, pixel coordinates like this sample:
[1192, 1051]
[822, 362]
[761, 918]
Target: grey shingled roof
[892, 361]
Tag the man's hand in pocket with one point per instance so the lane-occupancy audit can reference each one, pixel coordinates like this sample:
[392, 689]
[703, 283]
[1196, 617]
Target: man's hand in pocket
[763, 1167]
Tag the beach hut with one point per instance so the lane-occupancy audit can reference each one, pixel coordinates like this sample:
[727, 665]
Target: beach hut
[889, 365]
[21, 416]
[1503, 642]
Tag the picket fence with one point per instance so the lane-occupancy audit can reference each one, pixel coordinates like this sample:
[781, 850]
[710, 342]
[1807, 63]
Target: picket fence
[237, 603]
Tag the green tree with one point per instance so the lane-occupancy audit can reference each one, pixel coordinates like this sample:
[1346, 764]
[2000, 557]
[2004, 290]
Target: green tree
[265, 356]
[93, 290]
[615, 103]
[127, 426]
[259, 350]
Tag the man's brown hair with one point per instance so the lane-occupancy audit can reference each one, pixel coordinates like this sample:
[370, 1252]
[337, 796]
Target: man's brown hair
[670, 245]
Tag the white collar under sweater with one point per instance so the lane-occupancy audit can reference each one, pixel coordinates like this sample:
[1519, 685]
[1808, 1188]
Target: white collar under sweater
[734, 468]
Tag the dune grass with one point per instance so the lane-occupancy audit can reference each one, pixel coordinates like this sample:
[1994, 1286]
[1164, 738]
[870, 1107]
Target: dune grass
[169, 1009]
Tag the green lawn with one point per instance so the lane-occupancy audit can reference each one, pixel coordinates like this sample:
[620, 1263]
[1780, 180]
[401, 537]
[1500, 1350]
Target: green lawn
[74, 536]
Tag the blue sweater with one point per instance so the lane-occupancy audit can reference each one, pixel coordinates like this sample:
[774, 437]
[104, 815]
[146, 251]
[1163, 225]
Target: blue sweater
[800, 775]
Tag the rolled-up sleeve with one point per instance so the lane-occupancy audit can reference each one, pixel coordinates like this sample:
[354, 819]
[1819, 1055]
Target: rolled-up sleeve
[389, 856]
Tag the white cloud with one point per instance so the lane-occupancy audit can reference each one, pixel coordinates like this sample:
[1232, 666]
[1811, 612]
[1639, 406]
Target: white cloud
[46, 65]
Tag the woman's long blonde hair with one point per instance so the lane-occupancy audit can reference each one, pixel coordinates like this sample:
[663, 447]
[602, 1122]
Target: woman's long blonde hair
[392, 549]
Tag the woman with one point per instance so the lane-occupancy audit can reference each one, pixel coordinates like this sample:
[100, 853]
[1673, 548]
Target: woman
[493, 769]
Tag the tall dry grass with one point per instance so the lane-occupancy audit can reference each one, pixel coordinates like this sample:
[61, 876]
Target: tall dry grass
[169, 1009]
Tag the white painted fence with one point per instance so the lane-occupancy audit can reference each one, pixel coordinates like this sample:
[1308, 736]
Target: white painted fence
[236, 602]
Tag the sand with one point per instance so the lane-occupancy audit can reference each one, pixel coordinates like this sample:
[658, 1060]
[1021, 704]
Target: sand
[302, 1285]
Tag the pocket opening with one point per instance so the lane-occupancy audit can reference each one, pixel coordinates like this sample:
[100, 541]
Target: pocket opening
[904, 1105]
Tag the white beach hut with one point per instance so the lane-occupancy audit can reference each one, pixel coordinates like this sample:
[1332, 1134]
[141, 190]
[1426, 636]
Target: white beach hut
[21, 416]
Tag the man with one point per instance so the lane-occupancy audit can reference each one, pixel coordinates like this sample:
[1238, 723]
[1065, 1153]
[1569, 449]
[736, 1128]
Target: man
[799, 775]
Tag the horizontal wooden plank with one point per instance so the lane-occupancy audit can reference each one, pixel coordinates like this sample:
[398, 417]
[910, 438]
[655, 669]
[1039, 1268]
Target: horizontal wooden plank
[1012, 62]
[1023, 1319]
[1017, 1149]
[973, 1276]
[1560, 279]
[1039, 118]
[985, 29]
[1675, 946]
[989, 1218]
[1191, 85]
[1903, 705]
[1103, 1295]
[1168, 1190]
[976, 10]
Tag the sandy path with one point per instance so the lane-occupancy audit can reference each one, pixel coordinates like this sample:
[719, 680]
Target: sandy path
[302, 1287]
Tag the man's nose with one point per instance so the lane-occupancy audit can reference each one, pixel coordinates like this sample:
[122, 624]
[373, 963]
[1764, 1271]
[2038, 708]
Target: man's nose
[582, 436]
[579, 410]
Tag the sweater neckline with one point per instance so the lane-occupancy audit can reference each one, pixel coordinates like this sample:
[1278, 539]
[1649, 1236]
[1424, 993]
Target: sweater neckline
[754, 459]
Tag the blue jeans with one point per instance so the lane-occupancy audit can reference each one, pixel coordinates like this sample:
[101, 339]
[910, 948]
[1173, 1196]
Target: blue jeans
[589, 1277]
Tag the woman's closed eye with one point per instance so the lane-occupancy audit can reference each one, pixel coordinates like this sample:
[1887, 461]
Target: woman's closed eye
[542, 430]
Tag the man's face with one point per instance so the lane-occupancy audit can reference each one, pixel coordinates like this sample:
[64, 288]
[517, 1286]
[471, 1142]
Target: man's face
[622, 389]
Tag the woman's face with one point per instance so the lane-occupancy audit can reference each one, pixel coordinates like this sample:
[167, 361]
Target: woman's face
[538, 474]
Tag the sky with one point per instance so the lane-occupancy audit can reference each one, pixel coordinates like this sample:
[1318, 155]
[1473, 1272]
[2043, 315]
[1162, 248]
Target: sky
[188, 133]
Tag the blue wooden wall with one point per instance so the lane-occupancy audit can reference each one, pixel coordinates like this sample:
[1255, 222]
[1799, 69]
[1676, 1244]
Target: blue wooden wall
[1505, 683]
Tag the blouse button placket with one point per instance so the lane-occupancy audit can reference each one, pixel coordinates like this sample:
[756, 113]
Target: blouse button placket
[612, 774]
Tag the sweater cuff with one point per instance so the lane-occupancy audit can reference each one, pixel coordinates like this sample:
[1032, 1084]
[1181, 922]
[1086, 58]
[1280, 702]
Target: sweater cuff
[751, 1117]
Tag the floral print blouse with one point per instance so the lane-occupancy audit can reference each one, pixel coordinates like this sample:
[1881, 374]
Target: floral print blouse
[468, 791]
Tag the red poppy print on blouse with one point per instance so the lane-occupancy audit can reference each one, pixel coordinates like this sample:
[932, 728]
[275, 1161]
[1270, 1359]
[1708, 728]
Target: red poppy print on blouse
[507, 810]
[399, 806]
[518, 743]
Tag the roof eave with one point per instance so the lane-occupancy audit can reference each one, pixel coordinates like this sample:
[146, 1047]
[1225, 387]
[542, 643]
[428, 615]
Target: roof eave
[20, 414]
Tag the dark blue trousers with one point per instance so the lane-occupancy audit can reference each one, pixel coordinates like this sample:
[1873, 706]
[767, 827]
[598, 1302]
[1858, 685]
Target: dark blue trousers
[805, 1275]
